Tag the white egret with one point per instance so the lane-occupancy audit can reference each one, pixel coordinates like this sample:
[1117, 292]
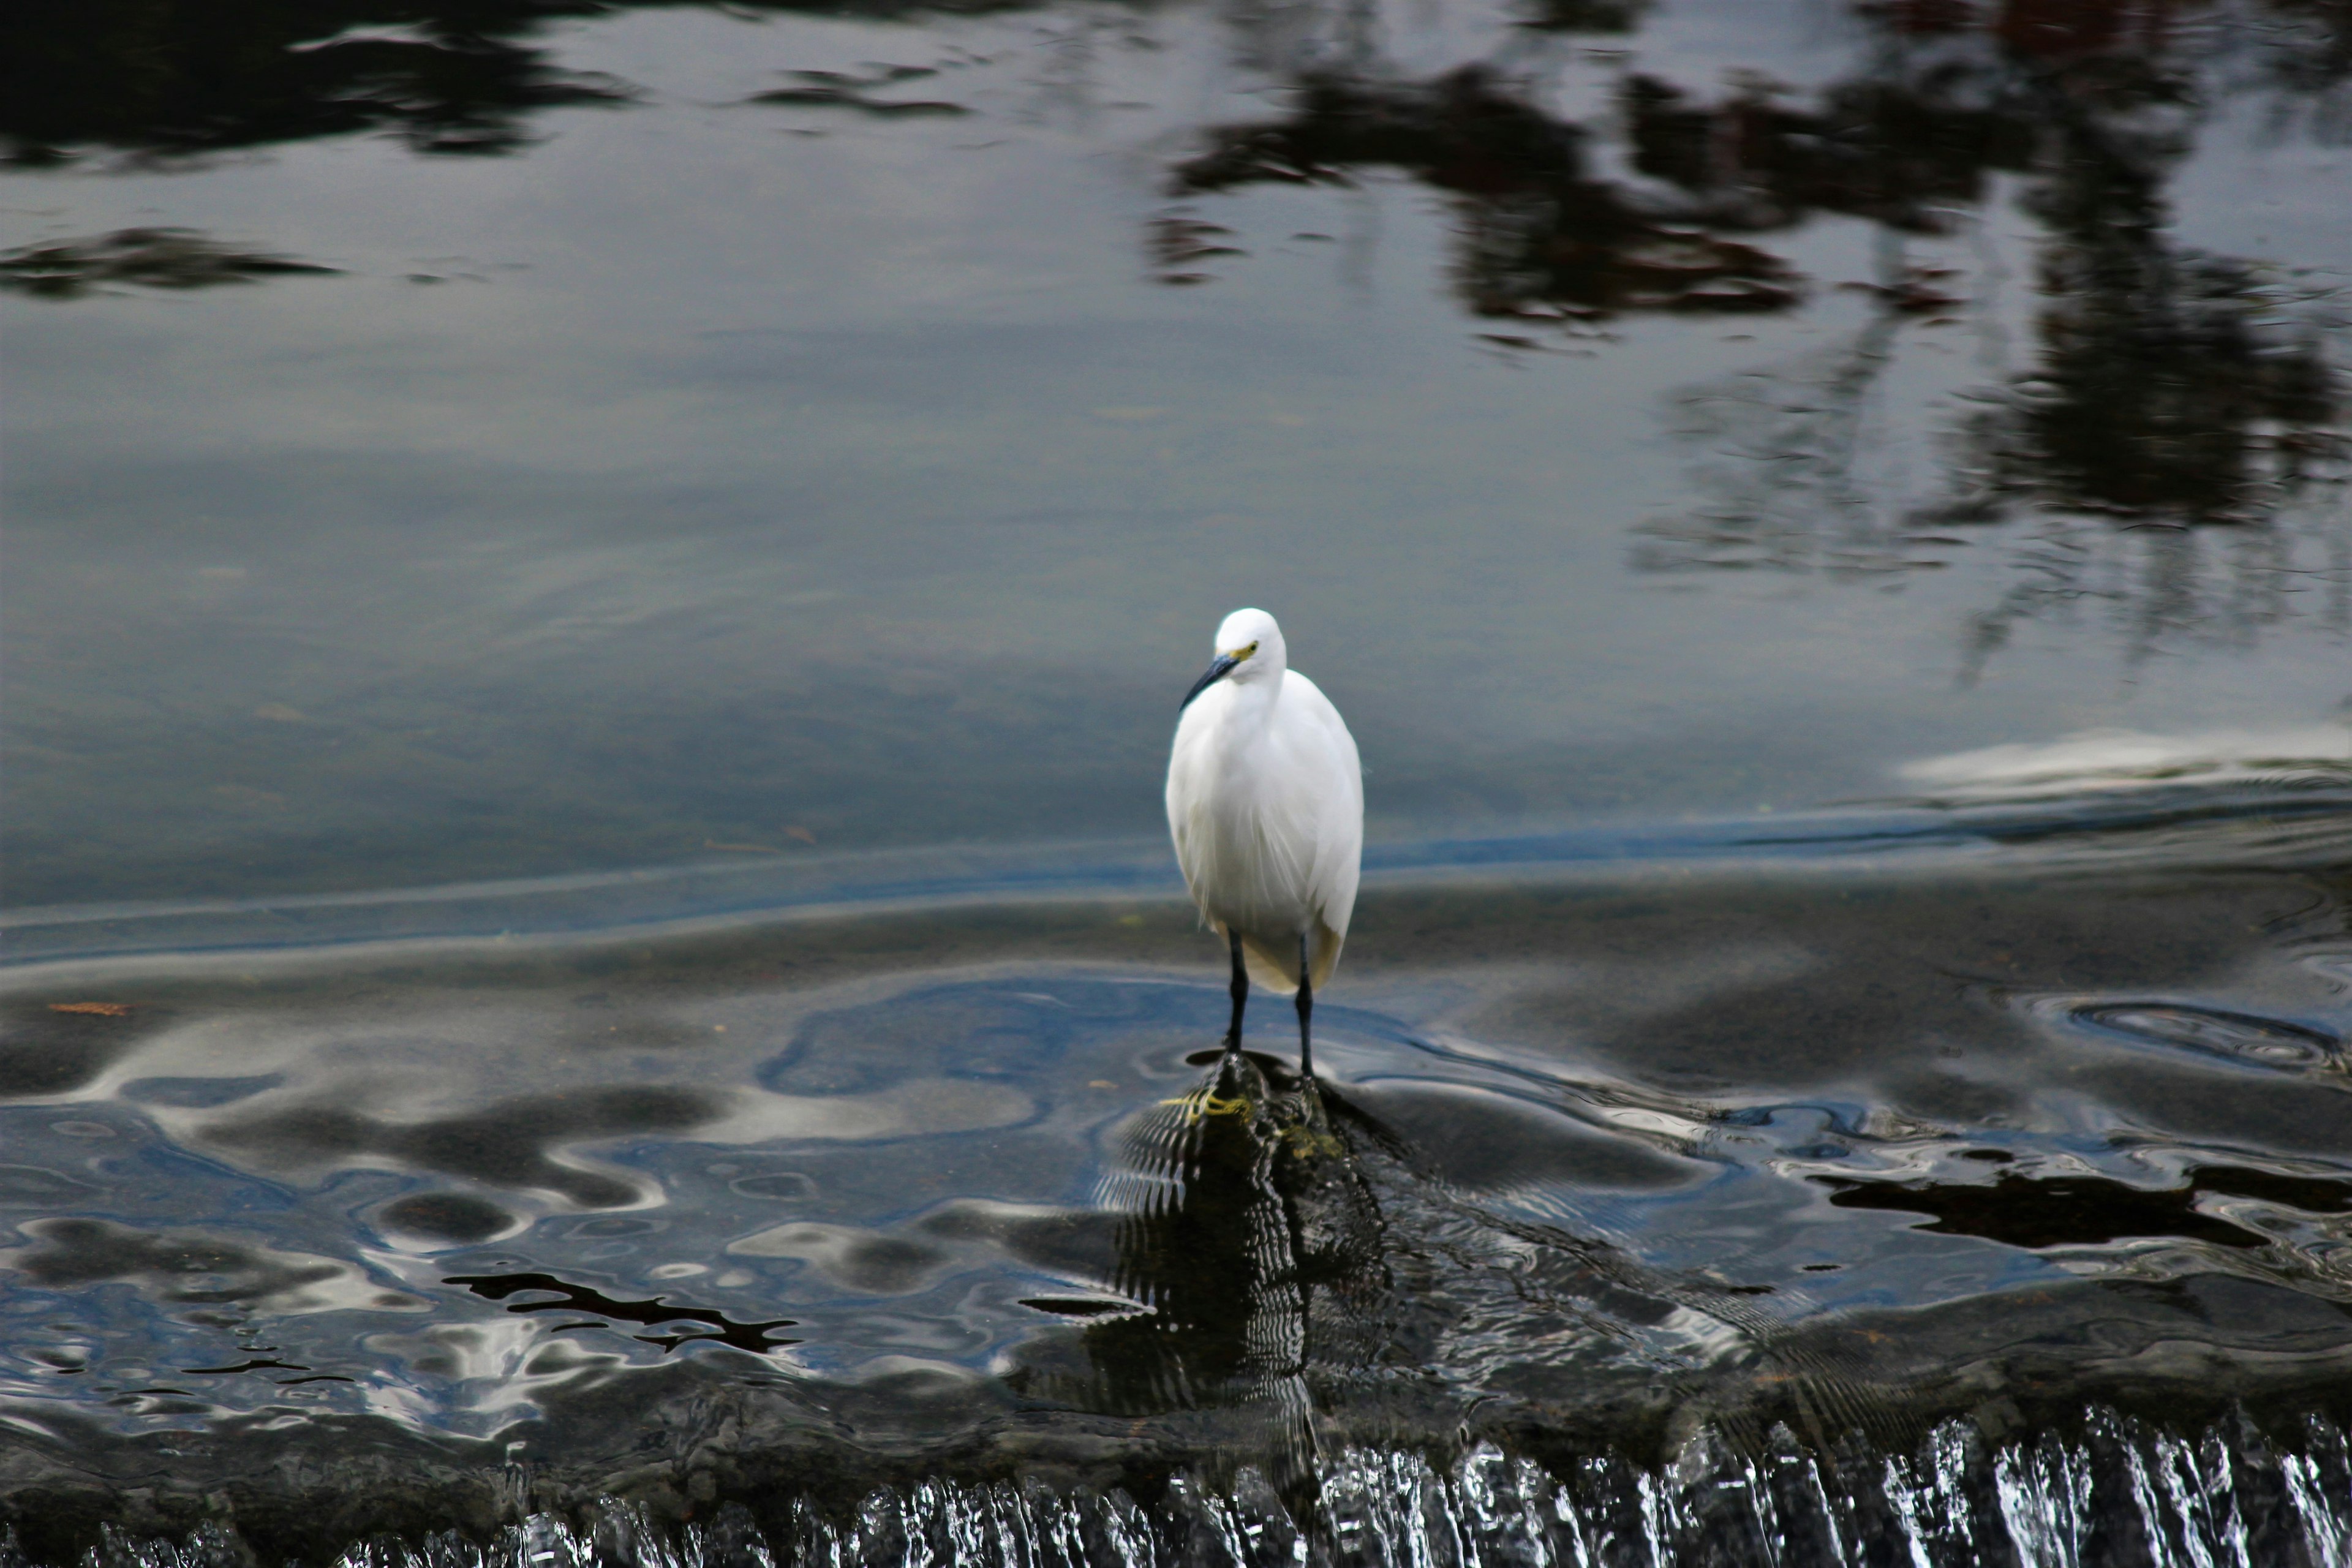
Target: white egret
[1265, 800]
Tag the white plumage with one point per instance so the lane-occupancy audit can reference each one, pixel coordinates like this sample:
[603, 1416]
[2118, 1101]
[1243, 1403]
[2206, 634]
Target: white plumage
[1265, 801]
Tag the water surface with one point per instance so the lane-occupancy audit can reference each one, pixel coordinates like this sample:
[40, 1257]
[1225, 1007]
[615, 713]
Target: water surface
[1600, 1165]
[597, 596]
[739, 431]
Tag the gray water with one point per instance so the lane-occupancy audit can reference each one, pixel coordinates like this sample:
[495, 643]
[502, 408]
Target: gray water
[1631, 411]
[596, 597]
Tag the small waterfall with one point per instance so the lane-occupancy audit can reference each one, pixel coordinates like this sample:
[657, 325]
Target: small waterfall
[2115, 1491]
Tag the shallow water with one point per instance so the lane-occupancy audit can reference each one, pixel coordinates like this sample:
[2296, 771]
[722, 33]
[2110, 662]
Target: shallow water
[595, 595]
[1790, 1163]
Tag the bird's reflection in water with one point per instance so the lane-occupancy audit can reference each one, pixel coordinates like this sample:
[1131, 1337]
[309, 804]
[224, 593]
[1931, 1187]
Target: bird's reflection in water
[1253, 1235]
[1299, 1274]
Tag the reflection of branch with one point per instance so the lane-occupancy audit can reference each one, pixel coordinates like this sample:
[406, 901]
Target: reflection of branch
[2171, 587]
[1788, 495]
[2052, 566]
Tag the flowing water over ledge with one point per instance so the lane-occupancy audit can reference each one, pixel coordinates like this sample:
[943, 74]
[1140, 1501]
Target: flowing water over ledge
[1938, 1204]
[2115, 1491]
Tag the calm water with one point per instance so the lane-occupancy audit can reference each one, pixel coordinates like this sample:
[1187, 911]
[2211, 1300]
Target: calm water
[1629, 410]
[595, 599]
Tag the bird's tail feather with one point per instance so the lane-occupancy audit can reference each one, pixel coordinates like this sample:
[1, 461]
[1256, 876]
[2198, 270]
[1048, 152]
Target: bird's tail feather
[1275, 965]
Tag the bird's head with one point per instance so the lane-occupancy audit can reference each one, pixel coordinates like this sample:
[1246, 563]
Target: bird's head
[1249, 650]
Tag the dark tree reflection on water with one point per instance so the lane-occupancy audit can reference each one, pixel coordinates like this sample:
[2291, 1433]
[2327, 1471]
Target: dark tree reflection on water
[2172, 445]
[160, 79]
[165, 79]
[150, 257]
[1539, 235]
[2170, 390]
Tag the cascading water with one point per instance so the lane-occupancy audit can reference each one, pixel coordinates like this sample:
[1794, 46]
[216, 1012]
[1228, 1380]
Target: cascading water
[2115, 1491]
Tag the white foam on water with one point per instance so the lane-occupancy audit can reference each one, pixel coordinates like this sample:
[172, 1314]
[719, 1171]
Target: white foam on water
[2222, 1497]
[2096, 761]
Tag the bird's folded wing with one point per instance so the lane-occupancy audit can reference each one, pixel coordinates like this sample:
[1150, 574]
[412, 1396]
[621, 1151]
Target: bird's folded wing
[1337, 861]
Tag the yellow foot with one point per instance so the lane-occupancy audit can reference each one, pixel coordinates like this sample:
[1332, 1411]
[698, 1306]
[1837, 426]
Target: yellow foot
[1202, 1103]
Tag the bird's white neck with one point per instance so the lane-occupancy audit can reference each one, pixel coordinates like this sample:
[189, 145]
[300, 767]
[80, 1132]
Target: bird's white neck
[1251, 706]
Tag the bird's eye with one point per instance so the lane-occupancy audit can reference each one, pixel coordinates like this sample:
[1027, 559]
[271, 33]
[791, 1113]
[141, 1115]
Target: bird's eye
[1249, 650]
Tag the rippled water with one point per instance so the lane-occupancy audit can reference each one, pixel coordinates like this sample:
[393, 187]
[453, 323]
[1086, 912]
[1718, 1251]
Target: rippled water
[1760, 1174]
[595, 595]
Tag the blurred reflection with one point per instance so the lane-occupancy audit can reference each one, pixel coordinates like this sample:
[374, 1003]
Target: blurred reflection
[837, 89]
[1539, 235]
[2091, 1211]
[2170, 383]
[164, 80]
[148, 257]
[1253, 1237]
[2169, 389]
[2298, 54]
[1586, 15]
[155, 80]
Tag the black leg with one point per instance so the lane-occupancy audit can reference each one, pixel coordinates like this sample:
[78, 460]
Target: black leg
[1241, 996]
[1306, 1012]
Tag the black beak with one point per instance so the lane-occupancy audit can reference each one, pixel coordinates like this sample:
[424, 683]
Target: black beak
[1208, 676]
